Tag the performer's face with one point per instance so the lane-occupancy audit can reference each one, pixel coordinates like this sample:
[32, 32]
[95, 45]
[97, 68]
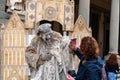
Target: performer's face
[46, 36]
[44, 32]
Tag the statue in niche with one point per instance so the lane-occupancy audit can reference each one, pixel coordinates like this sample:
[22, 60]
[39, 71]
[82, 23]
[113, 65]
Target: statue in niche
[44, 54]
[18, 5]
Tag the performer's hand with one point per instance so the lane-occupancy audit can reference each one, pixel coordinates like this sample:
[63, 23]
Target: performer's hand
[73, 45]
[69, 77]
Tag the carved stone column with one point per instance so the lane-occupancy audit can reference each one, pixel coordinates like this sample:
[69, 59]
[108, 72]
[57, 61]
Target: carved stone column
[84, 9]
[114, 27]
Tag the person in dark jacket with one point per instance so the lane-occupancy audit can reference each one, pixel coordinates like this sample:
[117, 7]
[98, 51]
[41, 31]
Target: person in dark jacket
[89, 66]
[111, 66]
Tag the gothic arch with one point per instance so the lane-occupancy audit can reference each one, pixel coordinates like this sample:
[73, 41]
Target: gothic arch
[56, 26]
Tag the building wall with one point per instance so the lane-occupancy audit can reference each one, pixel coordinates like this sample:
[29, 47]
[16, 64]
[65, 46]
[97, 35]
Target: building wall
[99, 7]
[13, 55]
[13, 43]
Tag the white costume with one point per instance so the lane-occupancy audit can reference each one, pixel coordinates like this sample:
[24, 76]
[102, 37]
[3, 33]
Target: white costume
[43, 55]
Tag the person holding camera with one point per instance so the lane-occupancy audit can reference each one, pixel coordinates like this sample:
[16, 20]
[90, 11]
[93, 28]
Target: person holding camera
[90, 65]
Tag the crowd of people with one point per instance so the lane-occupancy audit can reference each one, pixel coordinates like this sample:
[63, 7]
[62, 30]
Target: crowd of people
[45, 63]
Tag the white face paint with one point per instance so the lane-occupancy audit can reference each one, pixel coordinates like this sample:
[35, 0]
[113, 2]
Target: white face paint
[44, 32]
[46, 36]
